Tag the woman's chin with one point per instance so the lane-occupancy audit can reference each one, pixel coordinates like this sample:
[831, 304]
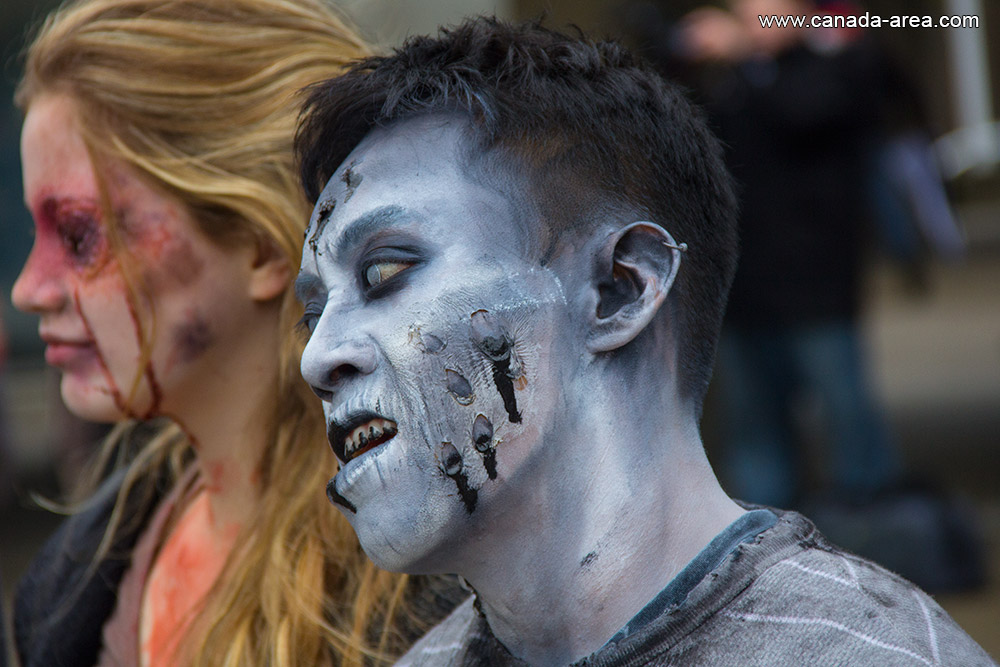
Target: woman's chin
[90, 399]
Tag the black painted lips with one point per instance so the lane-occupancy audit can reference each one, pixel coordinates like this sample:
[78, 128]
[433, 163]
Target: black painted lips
[337, 432]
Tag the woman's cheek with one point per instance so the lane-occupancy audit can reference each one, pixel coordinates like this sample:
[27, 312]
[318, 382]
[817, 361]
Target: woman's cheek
[119, 328]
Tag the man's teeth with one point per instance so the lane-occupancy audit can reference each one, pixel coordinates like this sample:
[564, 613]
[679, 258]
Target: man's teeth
[368, 435]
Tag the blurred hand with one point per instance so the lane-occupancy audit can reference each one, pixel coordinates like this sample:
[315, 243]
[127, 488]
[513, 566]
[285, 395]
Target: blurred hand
[712, 34]
[769, 42]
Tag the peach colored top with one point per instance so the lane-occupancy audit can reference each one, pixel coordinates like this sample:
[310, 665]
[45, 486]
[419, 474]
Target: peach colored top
[120, 641]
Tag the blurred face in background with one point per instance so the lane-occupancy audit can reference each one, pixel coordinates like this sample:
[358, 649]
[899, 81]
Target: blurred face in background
[187, 292]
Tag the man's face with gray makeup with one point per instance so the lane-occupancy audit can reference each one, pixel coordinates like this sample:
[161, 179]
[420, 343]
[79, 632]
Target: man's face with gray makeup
[440, 350]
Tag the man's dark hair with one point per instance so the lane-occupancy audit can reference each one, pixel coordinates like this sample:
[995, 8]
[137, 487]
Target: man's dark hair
[598, 133]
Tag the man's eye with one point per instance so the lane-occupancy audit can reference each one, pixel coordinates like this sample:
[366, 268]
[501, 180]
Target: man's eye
[379, 272]
[307, 323]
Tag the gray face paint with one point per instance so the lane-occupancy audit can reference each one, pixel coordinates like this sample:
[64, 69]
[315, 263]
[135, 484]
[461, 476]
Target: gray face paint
[448, 344]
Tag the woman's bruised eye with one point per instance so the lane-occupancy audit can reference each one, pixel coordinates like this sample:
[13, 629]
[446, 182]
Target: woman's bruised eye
[378, 273]
[78, 238]
[79, 233]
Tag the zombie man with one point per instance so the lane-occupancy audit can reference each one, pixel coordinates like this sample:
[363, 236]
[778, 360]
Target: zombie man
[513, 283]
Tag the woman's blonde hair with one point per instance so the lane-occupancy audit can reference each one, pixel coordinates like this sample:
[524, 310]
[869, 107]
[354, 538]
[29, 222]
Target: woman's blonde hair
[201, 97]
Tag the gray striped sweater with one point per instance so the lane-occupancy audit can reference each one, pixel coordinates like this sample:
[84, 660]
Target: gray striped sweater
[786, 597]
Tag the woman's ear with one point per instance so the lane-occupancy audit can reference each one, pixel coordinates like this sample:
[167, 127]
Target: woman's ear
[632, 276]
[270, 273]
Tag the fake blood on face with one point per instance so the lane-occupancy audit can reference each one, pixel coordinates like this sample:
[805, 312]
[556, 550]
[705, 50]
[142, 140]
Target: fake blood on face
[71, 256]
[116, 394]
[75, 228]
[97, 305]
[156, 394]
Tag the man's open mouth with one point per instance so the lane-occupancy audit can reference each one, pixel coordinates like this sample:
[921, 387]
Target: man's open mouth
[359, 434]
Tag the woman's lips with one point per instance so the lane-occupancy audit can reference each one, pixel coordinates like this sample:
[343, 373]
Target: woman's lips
[64, 353]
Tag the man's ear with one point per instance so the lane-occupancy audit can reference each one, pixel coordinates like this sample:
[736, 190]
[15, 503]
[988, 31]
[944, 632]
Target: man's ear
[270, 273]
[633, 274]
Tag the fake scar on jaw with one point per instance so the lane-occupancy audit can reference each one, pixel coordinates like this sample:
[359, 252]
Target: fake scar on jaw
[452, 465]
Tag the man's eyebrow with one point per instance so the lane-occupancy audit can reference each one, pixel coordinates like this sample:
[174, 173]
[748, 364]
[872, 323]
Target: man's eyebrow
[307, 284]
[367, 224]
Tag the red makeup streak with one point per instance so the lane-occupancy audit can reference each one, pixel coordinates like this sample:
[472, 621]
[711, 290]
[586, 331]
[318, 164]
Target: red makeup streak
[216, 472]
[156, 392]
[116, 395]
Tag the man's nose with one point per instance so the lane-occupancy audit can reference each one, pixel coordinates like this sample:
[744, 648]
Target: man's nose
[40, 288]
[328, 362]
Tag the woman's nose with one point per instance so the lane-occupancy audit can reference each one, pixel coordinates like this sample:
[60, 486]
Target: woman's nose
[40, 287]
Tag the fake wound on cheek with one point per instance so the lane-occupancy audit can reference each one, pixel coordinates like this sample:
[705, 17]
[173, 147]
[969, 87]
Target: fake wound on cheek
[496, 343]
[192, 337]
[482, 438]
[454, 467]
[493, 343]
[123, 403]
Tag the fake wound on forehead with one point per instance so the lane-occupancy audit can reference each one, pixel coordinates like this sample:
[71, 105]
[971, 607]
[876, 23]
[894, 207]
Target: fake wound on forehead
[323, 211]
[358, 230]
[351, 179]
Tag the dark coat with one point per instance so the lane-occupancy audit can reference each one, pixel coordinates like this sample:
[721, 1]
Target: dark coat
[64, 599]
[798, 131]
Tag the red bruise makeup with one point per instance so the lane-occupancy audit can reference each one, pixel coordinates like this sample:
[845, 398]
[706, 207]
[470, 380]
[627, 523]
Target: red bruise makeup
[77, 226]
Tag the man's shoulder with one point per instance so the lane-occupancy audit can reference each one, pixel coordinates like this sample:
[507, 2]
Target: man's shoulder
[786, 598]
[827, 606]
[447, 642]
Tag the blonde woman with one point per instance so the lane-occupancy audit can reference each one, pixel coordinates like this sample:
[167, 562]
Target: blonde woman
[157, 161]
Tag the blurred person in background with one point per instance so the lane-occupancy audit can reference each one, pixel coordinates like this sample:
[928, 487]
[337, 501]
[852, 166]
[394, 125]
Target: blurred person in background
[802, 113]
[157, 157]
[797, 116]
[517, 270]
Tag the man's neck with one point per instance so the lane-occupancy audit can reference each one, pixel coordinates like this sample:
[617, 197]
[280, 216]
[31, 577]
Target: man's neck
[610, 530]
